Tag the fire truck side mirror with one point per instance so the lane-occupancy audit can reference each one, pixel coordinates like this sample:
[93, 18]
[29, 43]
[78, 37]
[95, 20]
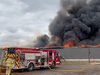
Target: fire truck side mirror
[59, 55]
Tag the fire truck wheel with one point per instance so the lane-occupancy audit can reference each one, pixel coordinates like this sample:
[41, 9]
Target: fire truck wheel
[53, 65]
[31, 67]
[41, 67]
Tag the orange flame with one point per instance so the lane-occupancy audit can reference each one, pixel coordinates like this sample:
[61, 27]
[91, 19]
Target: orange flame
[4, 47]
[89, 46]
[98, 45]
[72, 43]
[86, 46]
[50, 47]
[83, 46]
[69, 44]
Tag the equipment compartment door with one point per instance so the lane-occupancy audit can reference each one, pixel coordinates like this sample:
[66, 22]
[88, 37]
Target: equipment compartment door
[44, 58]
[2, 60]
[22, 60]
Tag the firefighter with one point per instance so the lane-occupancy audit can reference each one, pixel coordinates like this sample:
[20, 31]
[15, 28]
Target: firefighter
[9, 63]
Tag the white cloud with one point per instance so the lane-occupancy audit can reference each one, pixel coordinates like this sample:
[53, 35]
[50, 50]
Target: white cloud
[19, 25]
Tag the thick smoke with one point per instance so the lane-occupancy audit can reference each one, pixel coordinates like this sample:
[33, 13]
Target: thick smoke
[77, 20]
[42, 41]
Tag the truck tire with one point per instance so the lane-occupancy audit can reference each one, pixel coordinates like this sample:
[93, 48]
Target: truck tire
[53, 65]
[31, 67]
[20, 70]
[41, 67]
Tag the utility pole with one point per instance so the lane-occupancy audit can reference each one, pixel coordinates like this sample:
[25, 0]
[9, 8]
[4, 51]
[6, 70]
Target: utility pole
[89, 54]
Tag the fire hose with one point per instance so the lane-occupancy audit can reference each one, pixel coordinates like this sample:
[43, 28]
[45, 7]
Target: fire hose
[83, 68]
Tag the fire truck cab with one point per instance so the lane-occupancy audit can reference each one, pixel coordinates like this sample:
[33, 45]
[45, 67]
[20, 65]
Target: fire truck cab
[28, 58]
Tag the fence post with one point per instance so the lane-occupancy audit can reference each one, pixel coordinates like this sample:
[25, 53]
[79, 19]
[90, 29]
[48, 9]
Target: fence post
[89, 54]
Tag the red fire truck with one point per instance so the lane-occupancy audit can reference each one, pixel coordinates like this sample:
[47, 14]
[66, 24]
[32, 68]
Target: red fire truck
[30, 58]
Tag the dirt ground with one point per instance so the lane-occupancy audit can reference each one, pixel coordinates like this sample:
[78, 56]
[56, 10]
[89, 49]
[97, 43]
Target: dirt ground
[46, 71]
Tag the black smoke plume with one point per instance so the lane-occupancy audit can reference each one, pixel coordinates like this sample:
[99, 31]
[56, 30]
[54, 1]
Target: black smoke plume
[77, 20]
[41, 41]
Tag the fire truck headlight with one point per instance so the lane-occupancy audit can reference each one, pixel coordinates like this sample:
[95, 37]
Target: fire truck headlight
[13, 66]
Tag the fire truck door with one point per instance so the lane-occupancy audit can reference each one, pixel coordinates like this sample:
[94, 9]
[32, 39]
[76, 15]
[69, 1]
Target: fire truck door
[51, 57]
[57, 59]
[22, 60]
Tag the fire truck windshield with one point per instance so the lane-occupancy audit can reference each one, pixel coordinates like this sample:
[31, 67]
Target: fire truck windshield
[11, 50]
